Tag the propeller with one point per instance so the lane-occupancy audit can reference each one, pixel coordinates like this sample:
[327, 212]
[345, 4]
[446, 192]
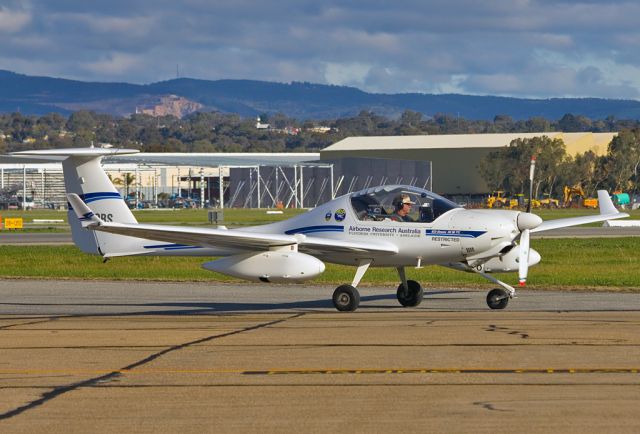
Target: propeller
[526, 222]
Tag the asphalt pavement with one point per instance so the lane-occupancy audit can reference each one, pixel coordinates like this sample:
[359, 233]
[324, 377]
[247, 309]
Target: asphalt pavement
[79, 357]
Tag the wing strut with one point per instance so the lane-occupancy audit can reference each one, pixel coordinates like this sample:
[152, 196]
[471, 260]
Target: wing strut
[363, 266]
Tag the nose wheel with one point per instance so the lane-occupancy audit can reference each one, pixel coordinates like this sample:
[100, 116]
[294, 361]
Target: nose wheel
[497, 298]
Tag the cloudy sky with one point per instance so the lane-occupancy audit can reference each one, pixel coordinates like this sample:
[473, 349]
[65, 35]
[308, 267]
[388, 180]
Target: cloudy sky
[523, 48]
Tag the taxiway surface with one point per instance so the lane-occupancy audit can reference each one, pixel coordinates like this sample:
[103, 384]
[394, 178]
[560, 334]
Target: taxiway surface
[154, 357]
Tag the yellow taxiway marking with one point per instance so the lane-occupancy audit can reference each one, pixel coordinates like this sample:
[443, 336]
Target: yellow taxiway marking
[325, 371]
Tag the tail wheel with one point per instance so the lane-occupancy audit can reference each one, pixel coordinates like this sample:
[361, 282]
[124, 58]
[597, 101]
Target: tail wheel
[412, 296]
[346, 298]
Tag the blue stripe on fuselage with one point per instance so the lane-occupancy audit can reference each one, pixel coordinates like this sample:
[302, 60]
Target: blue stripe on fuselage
[453, 233]
[314, 229]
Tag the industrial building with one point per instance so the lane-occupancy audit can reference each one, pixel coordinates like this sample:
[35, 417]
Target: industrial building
[446, 164]
[454, 158]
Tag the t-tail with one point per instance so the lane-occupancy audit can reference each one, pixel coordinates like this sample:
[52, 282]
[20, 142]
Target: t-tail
[84, 176]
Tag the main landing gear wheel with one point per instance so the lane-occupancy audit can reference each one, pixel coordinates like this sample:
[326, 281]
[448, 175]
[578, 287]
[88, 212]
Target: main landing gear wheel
[497, 298]
[346, 298]
[411, 297]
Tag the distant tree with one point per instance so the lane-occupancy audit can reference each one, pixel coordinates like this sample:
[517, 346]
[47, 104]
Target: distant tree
[570, 123]
[623, 160]
[508, 168]
[81, 121]
[537, 124]
[502, 119]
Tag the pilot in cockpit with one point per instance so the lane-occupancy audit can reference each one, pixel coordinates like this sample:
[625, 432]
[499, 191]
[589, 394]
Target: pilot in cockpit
[402, 205]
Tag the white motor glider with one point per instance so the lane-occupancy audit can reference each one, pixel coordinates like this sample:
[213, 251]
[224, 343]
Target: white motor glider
[359, 229]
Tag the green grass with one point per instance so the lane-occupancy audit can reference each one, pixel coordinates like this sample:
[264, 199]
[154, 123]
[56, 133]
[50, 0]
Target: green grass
[233, 217]
[611, 263]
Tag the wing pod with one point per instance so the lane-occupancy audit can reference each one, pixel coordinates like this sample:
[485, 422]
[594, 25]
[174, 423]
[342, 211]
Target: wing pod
[273, 266]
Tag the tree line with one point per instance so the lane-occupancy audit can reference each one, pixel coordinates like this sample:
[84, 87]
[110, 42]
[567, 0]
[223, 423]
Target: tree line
[223, 132]
[619, 170]
[505, 169]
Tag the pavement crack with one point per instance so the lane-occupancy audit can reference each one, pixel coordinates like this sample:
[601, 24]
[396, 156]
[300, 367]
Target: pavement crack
[111, 376]
[490, 406]
[495, 328]
[30, 323]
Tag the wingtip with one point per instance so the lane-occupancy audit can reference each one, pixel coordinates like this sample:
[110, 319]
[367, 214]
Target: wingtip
[82, 211]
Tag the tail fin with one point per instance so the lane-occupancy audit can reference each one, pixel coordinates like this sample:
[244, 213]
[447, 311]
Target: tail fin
[84, 176]
[605, 203]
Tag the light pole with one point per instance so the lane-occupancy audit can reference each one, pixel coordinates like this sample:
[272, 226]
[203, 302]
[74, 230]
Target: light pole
[189, 186]
[201, 187]
[155, 186]
[24, 187]
[221, 188]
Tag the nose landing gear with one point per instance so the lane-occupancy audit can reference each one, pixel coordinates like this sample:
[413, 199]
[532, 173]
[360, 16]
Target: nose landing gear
[497, 298]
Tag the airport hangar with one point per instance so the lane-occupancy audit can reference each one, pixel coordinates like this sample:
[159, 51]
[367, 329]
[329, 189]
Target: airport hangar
[446, 164]
[454, 157]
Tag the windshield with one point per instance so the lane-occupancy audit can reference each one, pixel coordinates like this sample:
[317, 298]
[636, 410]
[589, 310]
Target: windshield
[399, 203]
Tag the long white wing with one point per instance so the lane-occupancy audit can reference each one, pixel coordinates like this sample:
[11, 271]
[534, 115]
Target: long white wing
[237, 239]
[607, 212]
[326, 245]
[204, 237]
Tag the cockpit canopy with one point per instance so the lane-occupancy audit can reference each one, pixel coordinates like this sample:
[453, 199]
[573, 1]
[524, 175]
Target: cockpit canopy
[381, 203]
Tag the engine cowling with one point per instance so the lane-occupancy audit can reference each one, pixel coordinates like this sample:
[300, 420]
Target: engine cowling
[509, 262]
[271, 266]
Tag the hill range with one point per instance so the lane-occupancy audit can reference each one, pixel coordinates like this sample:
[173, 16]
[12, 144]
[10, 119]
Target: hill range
[35, 95]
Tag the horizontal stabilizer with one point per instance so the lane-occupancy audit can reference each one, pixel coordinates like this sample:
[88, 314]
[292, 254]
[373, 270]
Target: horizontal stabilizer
[76, 152]
[42, 156]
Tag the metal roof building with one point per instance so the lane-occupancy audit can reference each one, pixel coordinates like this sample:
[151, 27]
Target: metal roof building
[455, 157]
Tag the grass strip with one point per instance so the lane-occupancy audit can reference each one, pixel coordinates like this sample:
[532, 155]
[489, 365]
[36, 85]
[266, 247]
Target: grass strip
[609, 263]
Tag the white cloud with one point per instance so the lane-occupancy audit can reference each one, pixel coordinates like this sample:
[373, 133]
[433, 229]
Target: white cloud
[346, 74]
[580, 48]
[113, 64]
[13, 21]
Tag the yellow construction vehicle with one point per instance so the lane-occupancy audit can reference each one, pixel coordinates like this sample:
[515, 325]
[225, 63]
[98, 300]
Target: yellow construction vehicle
[548, 201]
[575, 196]
[523, 201]
[500, 200]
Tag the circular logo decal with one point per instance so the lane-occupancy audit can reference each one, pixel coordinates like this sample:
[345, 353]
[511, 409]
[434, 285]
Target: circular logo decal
[328, 215]
[340, 215]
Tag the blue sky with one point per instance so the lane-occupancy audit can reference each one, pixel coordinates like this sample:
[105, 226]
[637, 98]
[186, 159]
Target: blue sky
[521, 48]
